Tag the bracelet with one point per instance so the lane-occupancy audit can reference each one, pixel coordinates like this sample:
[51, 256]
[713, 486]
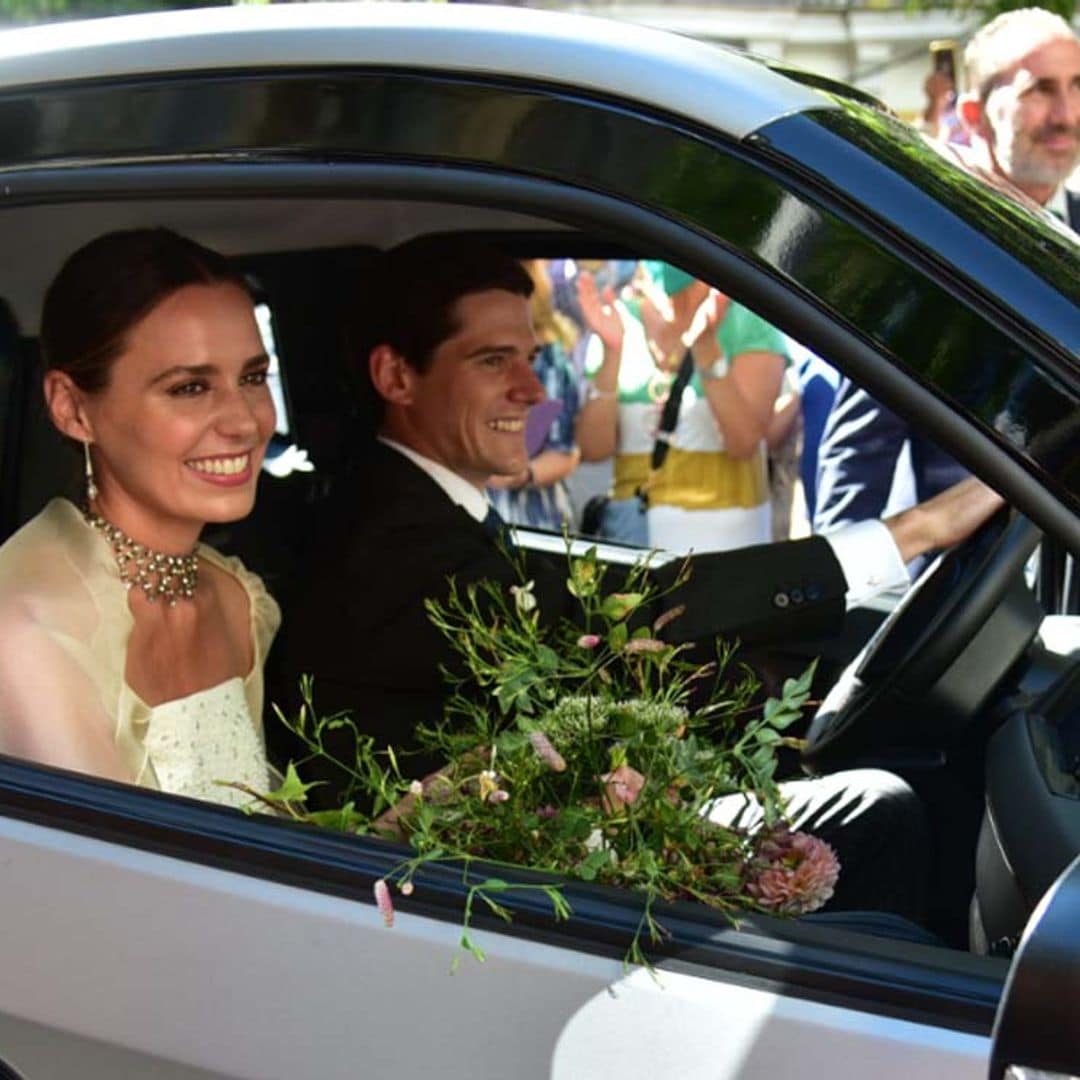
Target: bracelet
[594, 393]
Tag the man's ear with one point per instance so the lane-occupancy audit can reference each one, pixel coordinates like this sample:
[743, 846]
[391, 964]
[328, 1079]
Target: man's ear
[392, 375]
[970, 110]
[65, 402]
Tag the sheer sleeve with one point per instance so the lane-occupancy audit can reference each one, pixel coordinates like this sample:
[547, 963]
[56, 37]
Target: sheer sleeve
[64, 627]
[51, 709]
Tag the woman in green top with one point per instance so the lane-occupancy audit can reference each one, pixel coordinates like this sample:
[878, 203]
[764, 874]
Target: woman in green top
[711, 493]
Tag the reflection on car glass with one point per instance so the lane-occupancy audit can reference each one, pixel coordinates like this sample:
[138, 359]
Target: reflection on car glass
[265, 320]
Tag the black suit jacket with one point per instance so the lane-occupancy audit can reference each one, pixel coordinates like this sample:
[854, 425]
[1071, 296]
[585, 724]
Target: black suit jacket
[390, 538]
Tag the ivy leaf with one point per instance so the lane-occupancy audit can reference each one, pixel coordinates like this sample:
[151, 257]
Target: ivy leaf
[800, 687]
[593, 863]
[292, 789]
[348, 819]
[617, 637]
[618, 605]
[548, 658]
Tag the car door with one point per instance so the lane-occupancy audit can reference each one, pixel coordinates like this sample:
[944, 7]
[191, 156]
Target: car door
[148, 933]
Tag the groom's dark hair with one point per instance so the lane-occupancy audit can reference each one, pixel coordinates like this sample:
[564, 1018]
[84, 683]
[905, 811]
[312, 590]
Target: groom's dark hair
[408, 303]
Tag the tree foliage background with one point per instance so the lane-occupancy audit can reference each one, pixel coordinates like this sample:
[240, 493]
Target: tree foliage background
[24, 11]
[42, 10]
[989, 9]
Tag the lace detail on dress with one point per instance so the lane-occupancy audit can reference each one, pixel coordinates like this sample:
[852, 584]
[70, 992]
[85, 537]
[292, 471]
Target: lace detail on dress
[207, 736]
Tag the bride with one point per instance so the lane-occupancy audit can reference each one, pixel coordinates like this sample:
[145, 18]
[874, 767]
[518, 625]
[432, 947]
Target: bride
[130, 650]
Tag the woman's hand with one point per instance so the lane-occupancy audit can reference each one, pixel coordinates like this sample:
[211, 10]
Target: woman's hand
[701, 336]
[599, 311]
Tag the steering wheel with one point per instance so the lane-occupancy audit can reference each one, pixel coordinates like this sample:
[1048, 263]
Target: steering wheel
[933, 663]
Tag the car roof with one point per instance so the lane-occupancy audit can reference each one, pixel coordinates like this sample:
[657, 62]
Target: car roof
[709, 84]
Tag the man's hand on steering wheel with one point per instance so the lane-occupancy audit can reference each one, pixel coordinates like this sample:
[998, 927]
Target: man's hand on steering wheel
[945, 520]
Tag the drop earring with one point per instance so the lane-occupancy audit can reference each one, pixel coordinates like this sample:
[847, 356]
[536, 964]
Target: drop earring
[91, 487]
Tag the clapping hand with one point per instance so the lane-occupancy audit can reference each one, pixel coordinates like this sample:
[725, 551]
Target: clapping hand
[599, 311]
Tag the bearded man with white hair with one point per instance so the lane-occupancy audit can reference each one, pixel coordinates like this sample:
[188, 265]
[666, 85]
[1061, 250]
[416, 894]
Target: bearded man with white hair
[1022, 105]
[1022, 112]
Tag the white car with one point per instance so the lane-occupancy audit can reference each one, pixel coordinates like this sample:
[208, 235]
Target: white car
[147, 935]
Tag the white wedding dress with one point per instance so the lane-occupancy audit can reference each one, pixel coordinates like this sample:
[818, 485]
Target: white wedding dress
[195, 742]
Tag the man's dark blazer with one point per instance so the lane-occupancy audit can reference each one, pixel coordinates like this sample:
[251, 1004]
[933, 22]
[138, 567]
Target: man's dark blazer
[862, 442]
[860, 446]
[390, 537]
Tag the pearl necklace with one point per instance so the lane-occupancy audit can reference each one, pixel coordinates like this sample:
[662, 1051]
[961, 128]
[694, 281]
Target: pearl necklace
[160, 576]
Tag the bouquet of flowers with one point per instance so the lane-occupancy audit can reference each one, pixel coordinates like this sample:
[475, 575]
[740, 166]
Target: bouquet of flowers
[590, 749]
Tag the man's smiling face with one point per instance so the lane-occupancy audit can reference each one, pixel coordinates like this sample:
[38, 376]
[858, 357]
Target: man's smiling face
[1031, 118]
[467, 409]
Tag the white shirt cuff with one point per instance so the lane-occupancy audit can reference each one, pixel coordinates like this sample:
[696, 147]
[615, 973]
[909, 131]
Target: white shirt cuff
[869, 558]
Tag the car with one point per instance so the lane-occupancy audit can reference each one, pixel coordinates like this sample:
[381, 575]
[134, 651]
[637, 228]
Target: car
[151, 935]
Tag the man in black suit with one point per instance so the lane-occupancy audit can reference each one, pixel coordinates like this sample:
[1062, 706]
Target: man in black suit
[447, 347]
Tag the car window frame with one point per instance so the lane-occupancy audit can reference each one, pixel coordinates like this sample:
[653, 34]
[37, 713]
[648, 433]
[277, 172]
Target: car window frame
[870, 974]
[880, 976]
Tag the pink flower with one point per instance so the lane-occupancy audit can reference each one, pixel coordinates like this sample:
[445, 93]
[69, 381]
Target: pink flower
[622, 786]
[498, 795]
[546, 752]
[383, 902]
[406, 888]
[546, 813]
[588, 641]
[792, 873]
[668, 616]
[644, 644]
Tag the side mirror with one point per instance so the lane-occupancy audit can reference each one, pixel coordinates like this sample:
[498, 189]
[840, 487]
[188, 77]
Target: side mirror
[1036, 1034]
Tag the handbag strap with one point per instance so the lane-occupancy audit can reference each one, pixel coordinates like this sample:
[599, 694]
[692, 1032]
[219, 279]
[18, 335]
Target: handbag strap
[669, 418]
[669, 414]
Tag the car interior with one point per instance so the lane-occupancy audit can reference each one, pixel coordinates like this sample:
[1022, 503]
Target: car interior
[961, 687]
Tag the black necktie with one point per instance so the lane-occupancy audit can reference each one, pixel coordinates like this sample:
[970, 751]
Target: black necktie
[496, 528]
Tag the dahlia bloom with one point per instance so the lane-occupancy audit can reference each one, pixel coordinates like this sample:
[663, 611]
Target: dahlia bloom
[793, 873]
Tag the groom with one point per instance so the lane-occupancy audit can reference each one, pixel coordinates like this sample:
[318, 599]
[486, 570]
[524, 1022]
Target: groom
[447, 347]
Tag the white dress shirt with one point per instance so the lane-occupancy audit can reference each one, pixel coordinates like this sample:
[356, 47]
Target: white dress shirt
[1058, 205]
[471, 499]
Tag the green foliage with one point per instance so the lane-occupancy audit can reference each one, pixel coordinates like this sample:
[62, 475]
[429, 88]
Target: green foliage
[25, 11]
[578, 749]
[990, 9]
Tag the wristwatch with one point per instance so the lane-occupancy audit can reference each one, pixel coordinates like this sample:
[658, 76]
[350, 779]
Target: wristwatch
[717, 371]
[594, 393]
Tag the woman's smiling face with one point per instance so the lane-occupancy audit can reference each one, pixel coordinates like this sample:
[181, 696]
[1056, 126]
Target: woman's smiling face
[179, 432]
